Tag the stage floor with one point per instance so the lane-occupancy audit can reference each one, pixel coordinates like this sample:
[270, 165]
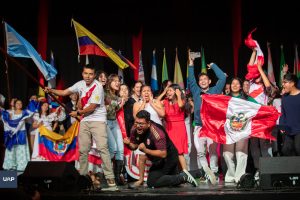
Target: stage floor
[183, 192]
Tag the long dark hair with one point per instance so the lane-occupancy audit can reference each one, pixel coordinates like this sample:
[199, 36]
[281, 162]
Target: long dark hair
[242, 93]
[40, 110]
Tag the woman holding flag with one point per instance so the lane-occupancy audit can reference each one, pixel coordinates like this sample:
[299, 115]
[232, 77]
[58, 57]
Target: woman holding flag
[240, 148]
[43, 117]
[17, 152]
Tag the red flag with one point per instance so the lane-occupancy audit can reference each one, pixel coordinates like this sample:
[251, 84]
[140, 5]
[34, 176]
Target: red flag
[228, 119]
[136, 48]
[252, 69]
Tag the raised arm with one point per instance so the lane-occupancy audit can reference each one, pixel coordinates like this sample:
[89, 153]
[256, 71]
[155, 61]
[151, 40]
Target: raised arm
[220, 75]
[263, 75]
[193, 85]
[252, 58]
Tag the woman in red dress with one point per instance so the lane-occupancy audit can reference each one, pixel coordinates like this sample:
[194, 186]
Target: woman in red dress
[174, 117]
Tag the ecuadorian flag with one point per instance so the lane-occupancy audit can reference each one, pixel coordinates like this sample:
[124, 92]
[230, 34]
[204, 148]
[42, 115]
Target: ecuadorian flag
[56, 147]
[89, 44]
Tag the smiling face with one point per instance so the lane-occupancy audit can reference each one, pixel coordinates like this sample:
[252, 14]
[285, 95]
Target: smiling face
[45, 107]
[88, 75]
[18, 105]
[204, 82]
[235, 86]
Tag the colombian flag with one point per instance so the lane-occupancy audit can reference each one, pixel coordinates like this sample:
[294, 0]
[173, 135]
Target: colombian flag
[89, 44]
[56, 147]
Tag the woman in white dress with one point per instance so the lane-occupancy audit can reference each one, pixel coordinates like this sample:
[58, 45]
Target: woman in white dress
[42, 118]
[17, 152]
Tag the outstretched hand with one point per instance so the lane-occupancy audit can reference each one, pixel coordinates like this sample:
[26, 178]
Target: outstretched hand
[47, 89]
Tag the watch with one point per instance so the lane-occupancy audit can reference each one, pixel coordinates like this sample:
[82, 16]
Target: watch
[78, 113]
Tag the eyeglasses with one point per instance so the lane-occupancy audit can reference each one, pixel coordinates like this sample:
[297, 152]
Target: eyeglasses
[140, 123]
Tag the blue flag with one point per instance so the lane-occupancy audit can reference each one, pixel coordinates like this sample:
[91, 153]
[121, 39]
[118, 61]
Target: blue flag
[52, 82]
[17, 46]
[154, 83]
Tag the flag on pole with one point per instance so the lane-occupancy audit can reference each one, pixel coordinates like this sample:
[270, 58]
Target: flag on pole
[203, 63]
[187, 75]
[271, 76]
[165, 75]
[282, 63]
[89, 44]
[121, 75]
[177, 72]
[120, 72]
[52, 82]
[17, 46]
[154, 82]
[296, 63]
[227, 120]
[141, 69]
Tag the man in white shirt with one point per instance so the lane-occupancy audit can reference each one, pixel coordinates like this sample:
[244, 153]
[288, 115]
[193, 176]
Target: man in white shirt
[93, 122]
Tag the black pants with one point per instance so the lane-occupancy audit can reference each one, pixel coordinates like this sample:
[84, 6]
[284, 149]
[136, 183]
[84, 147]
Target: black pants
[291, 145]
[164, 173]
[167, 174]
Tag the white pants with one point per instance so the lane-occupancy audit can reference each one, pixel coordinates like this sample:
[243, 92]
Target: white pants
[188, 131]
[240, 151]
[202, 144]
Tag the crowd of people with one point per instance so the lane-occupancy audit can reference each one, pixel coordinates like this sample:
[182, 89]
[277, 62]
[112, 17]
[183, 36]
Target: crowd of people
[158, 127]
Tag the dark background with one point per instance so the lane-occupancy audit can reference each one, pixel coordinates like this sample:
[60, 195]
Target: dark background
[166, 24]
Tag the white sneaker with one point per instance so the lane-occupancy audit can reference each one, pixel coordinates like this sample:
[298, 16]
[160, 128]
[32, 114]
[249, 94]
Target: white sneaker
[209, 175]
[110, 188]
[189, 178]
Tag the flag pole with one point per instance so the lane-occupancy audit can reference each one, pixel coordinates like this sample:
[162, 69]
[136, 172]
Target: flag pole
[6, 64]
[34, 79]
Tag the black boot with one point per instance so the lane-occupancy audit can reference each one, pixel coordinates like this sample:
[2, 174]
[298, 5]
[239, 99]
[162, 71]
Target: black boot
[118, 172]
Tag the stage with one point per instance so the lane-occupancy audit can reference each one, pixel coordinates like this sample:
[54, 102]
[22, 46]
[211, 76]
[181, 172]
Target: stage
[183, 192]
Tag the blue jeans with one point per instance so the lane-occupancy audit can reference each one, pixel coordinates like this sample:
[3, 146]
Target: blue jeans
[115, 140]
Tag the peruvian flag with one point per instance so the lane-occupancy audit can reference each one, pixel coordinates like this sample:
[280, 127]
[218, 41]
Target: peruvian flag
[252, 69]
[228, 119]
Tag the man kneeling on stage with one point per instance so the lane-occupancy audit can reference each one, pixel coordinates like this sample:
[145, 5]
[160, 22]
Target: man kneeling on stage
[152, 139]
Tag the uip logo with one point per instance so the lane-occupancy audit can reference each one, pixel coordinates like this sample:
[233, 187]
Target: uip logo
[8, 179]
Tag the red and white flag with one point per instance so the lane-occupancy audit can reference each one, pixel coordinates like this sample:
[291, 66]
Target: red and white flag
[252, 69]
[228, 119]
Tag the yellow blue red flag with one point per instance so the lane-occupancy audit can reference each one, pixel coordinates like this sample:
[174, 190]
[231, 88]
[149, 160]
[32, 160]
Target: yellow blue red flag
[89, 44]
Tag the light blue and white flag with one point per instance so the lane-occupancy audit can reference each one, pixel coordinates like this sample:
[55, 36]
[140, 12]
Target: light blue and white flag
[17, 46]
[52, 82]
[154, 83]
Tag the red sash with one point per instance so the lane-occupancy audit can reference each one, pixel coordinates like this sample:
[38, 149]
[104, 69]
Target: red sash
[121, 122]
[87, 96]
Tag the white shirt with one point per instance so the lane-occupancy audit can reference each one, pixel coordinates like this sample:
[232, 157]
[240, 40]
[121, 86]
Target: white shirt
[47, 120]
[277, 105]
[97, 97]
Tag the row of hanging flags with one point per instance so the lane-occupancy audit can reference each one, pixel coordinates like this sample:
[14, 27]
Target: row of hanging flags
[55, 147]
[89, 44]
